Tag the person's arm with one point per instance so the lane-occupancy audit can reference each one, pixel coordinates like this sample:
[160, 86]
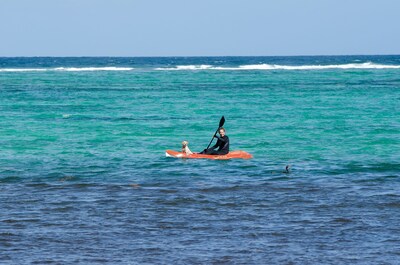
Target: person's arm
[220, 138]
[223, 143]
[214, 146]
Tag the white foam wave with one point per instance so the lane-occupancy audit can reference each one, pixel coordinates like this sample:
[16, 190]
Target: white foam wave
[78, 69]
[367, 65]
[187, 67]
[66, 69]
[23, 70]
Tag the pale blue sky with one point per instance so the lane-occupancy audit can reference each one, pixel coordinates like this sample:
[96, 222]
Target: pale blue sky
[198, 28]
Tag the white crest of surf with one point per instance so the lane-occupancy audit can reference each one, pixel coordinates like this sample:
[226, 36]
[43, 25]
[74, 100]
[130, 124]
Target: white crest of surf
[67, 69]
[187, 67]
[367, 65]
[23, 70]
[78, 69]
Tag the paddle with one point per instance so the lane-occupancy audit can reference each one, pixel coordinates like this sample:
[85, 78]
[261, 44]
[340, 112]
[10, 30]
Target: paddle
[221, 123]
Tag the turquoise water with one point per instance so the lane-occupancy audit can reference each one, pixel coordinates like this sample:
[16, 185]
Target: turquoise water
[84, 178]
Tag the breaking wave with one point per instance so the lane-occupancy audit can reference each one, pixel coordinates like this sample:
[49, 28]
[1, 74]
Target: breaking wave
[67, 69]
[367, 65]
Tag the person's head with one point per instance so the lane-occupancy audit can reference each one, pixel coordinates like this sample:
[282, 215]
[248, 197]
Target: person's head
[185, 143]
[222, 131]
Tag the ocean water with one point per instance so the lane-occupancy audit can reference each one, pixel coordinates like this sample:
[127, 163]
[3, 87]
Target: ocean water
[84, 178]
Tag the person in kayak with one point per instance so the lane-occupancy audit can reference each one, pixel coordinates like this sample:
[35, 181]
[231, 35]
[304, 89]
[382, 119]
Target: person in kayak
[222, 144]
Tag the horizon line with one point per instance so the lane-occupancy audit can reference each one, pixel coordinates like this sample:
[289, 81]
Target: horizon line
[184, 56]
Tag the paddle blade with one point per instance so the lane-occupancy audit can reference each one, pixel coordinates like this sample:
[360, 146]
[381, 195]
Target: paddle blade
[221, 122]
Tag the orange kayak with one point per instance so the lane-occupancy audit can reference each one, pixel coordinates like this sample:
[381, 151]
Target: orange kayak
[231, 155]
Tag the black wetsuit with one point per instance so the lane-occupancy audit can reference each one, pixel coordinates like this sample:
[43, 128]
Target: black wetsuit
[222, 144]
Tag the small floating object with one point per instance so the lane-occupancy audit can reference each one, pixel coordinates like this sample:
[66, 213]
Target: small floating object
[238, 154]
[287, 169]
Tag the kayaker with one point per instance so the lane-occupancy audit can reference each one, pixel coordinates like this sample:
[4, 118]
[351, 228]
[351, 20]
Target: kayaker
[222, 144]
